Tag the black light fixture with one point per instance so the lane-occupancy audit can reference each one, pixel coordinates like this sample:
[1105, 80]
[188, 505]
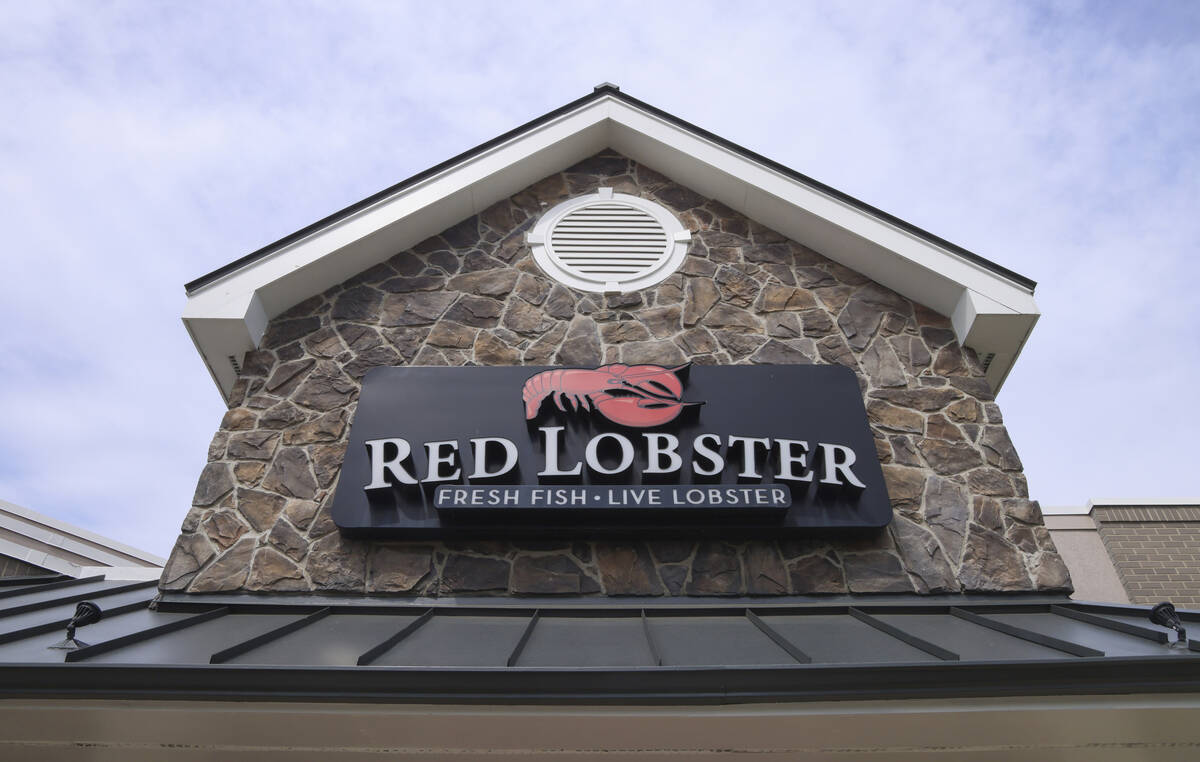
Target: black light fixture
[85, 613]
[1164, 615]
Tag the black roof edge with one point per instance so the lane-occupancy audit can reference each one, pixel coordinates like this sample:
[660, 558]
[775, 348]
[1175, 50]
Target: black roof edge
[644, 686]
[607, 89]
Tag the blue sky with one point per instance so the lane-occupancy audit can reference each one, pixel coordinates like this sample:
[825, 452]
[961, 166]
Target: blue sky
[145, 144]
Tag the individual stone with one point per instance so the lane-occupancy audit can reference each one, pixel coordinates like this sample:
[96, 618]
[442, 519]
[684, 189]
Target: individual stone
[223, 528]
[965, 411]
[947, 512]
[626, 330]
[912, 352]
[495, 283]
[875, 571]
[253, 445]
[523, 317]
[398, 568]
[326, 428]
[949, 361]
[490, 350]
[1051, 574]
[415, 309]
[228, 571]
[358, 303]
[736, 287]
[336, 563]
[448, 334]
[260, 508]
[865, 310]
[998, 449]
[325, 388]
[1022, 537]
[626, 569]
[904, 452]
[939, 427]
[775, 352]
[280, 416]
[663, 353]
[990, 564]
[581, 348]
[784, 325]
[326, 462]
[895, 418]
[697, 341]
[979, 388]
[550, 575]
[987, 513]
[1024, 511]
[701, 295]
[927, 400]
[923, 557]
[905, 486]
[216, 448]
[448, 262]
[989, 481]
[290, 474]
[835, 350]
[778, 298]
[662, 321]
[673, 578]
[882, 366]
[725, 316]
[409, 284]
[407, 263]
[541, 351]
[560, 305]
[281, 332]
[215, 482]
[249, 473]
[679, 198]
[739, 344]
[429, 356]
[949, 457]
[463, 573]
[716, 570]
[765, 573]
[287, 540]
[670, 291]
[532, 289]
[301, 513]
[477, 311]
[191, 552]
[238, 419]
[937, 337]
[271, 570]
[695, 266]
[816, 575]
[407, 341]
[287, 376]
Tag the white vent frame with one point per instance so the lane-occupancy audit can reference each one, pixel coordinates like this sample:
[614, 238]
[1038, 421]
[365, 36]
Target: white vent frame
[675, 243]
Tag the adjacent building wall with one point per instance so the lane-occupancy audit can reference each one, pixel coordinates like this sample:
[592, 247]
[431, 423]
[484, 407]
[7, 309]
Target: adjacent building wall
[1155, 550]
[1092, 572]
[745, 294]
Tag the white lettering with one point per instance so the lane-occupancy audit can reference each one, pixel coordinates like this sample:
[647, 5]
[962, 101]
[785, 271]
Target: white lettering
[835, 465]
[787, 459]
[658, 446]
[479, 446]
[701, 448]
[381, 466]
[593, 458]
[552, 436]
[441, 454]
[749, 454]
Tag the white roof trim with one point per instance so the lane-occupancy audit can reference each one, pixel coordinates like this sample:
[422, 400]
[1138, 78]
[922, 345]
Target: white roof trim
[991, 313]
[61, 547]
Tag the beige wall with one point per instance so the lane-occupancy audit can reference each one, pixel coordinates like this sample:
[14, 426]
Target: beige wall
[1092, 571]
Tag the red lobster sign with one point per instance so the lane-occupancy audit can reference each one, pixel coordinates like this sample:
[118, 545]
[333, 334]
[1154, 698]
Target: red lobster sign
[640, 396]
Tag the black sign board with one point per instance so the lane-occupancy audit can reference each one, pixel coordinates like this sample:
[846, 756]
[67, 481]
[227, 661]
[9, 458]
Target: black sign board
[440, 452]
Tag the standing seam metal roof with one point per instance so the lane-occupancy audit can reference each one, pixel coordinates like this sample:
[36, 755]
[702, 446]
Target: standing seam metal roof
[576, 650]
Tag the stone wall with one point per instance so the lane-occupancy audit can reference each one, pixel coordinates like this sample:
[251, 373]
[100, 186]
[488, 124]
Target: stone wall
[1155, 550]
[745, 294]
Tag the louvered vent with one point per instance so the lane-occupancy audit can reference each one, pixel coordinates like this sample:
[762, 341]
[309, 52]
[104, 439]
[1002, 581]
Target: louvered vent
[609, 242]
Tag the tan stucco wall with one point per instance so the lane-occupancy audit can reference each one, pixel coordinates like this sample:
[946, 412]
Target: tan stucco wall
[1092, 571]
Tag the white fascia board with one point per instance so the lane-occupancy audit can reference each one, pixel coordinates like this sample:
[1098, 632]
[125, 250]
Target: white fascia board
[1139, 502]
[996, 313]
[990, 313]
[227, 317]
[50, 531]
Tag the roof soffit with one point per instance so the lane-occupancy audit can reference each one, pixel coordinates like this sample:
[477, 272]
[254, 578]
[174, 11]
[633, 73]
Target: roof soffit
[992, 309]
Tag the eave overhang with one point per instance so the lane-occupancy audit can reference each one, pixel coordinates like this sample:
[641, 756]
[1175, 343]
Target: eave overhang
[992, 309]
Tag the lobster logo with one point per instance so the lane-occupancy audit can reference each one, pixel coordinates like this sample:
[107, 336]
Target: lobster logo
[639, 396]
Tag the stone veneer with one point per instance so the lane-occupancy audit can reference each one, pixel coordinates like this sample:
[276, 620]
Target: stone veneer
[745, 294]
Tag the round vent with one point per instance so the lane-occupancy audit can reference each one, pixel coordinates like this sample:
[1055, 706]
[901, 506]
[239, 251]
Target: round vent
[608, 242]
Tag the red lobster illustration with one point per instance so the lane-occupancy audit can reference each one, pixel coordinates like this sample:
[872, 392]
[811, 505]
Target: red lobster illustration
[631, 395]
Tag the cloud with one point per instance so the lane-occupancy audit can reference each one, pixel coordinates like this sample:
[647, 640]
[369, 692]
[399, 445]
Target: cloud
[147, 144]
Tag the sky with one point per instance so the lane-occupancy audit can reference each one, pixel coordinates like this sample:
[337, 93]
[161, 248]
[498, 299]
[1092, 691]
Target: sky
[145, 144]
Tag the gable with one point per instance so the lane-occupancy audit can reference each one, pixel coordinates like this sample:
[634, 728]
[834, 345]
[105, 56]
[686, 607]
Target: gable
[992, 309]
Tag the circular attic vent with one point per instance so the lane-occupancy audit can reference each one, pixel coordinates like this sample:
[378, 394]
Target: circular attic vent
[607, 242]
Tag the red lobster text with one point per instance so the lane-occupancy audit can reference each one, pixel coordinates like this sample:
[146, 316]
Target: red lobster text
[631, 395]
